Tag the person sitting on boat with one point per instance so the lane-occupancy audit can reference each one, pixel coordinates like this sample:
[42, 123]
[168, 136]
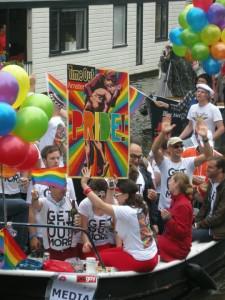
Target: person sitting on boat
[144, 181]
[206, 111]
[99, 225]
[175, 163]
[183, 106]
[139, 251]
[51, 157]
[56, 209]
[175, 242]
[210, 221]
[17, 208]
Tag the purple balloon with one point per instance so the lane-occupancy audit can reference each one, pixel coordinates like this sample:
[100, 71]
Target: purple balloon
[8, 88]
[216, 14]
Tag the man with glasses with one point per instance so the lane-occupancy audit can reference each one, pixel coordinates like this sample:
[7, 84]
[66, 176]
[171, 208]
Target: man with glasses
[175, 163]
[144, 181]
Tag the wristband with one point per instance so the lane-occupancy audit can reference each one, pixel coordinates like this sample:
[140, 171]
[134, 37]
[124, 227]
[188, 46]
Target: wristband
[87, 191]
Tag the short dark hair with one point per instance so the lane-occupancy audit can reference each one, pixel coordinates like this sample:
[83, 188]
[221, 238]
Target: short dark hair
[49, 149]
[220, 163]
[98, 185]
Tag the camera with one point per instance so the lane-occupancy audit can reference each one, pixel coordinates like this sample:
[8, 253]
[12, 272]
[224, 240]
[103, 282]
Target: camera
[111, 184]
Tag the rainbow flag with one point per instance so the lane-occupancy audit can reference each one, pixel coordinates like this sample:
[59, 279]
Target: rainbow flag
[13, 254]
[51, 177]
[136, 99]
[56, 87]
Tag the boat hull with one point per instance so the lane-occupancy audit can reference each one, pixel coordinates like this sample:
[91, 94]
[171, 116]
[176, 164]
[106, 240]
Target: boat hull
[169, 281]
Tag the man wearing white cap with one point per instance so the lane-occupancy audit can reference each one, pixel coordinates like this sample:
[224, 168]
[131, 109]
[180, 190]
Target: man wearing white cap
[203, 111]
[175, 163]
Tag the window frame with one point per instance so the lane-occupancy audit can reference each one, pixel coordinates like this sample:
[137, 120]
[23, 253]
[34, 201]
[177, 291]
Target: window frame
[159, 5]
[59, 11]
[125, 29]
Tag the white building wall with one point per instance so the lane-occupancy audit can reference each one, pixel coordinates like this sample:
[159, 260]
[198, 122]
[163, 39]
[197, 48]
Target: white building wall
[100, 54]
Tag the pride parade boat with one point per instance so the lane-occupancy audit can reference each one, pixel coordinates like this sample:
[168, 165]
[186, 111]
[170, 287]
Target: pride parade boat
[168, 280]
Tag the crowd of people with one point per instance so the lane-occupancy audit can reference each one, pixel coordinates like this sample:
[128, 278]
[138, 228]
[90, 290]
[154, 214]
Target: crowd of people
[170, 198]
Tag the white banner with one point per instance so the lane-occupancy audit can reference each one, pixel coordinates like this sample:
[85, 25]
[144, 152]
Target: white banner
[72, 287]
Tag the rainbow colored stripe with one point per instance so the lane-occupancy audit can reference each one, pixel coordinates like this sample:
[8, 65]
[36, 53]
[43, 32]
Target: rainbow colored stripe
[57, 87]
[136, 99]
[55, 177]
[13, 254]
[116, 153]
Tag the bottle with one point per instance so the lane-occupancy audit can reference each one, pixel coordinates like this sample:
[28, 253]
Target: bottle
[73, 213]
[91, 265]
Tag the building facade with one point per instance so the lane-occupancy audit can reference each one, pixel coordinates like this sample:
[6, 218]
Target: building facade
[125, 35]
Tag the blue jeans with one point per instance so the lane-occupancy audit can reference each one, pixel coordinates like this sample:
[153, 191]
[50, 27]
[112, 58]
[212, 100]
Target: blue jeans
[201, 235]
[17, 211]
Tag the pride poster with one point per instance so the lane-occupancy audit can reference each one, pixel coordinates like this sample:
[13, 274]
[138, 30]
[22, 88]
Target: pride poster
[98, 123]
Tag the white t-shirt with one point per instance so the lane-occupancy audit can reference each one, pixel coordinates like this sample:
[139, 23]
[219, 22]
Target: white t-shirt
[57, 213]
[99, 227]
[133, 228]
[43, 192]
[167, 169]
[55, 123]
[209, 113]
[11, 185]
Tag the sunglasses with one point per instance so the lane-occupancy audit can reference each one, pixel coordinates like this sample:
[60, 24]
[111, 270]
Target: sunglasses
[134, 156]
[177, 146]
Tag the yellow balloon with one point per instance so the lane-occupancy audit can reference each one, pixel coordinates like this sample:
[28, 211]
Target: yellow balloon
[23, 81]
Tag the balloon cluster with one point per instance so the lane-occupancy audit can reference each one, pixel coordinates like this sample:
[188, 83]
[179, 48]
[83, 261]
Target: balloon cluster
[23, 120]
[201, 35]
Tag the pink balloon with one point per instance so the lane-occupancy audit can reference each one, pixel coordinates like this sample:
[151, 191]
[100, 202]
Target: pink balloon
[13, 150]
[30, 160]
[203, 4]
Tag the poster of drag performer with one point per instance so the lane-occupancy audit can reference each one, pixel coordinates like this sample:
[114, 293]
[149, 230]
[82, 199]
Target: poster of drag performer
[98, 121]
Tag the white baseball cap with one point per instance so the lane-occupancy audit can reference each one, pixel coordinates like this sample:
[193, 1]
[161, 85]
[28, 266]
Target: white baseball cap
[174, 140]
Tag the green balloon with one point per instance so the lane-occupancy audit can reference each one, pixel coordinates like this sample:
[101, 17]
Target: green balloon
[41, 101]
[189, 37]
[182, 18]
[200, 51]
[210, 34]
[179, 50]
[221, 2]
[31, 123]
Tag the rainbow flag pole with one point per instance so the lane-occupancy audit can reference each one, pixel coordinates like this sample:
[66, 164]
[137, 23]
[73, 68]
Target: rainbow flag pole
[57, 88]
[136, 99]
[12, 253]
[55, 177]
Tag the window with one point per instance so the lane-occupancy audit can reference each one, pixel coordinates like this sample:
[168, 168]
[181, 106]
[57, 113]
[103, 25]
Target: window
[119, 25]
[161, 23]
[68, 30]
[139, 36]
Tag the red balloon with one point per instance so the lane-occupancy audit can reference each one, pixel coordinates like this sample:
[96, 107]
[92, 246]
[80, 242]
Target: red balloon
[203, 4]
[13, 150]
[30, 160]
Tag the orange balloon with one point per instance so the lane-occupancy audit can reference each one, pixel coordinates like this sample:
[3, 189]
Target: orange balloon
[218, 50]
[7, 171]
[188, 56]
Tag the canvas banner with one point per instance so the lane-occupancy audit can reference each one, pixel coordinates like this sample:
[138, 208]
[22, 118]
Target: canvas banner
[98, 123]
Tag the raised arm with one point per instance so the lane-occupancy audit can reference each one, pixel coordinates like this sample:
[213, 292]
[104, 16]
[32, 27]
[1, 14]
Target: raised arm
[96, 201]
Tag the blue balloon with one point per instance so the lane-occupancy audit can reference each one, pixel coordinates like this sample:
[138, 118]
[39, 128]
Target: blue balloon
[7, 118]
[197, 19]
[174, 36]
[211, 66]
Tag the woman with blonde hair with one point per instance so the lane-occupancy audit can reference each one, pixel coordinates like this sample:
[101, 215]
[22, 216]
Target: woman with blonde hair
[175, 242]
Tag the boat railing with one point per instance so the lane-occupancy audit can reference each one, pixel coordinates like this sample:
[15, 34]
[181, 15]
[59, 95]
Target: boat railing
[74, 228]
